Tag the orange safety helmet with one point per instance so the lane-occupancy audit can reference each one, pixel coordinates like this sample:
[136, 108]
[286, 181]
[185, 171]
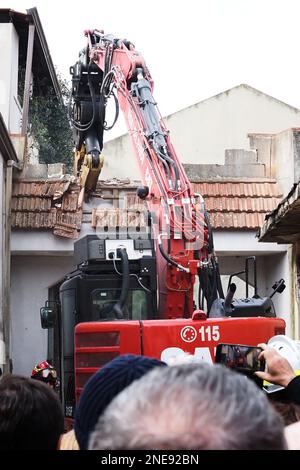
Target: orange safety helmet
[44, 372]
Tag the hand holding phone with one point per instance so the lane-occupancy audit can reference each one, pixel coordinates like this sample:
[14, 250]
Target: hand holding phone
[278, 371]
[243, 358]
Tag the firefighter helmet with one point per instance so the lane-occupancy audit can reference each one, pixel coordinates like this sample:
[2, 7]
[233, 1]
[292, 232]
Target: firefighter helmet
[44, 372]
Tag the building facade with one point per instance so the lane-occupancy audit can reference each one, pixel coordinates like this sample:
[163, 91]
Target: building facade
[282, 225]
[26, 67]
[203, 132]
[8, 158]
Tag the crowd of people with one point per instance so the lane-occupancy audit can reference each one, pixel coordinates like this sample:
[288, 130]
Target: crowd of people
[137, 402]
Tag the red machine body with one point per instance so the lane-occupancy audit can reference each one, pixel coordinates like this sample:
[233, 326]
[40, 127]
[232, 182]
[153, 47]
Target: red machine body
[97, 343]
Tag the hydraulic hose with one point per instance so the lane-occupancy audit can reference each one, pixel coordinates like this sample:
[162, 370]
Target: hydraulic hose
[85, 127]
[118, 307]
[168, 258]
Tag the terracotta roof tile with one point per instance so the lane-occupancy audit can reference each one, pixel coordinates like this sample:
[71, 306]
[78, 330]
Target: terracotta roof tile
[46, 205]
[53, 205]
[112, 218]
[70, 218]
[133, 202]
[238, 205]
[237, 220]
[70, 201]
[31, 204]
[231, 205]
[231, 189]
[33, 220]
[40, 188]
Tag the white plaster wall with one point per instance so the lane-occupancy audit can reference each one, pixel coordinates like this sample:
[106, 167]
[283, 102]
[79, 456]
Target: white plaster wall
[245, 243]
[24, 242]
[270, 268]
[5, 69]
[119, 159]
[283, 160]
[230, 264]
[9, 106]
[277, 267]
[15, 112]
[272, 265]
[30, 279]
[202, 132]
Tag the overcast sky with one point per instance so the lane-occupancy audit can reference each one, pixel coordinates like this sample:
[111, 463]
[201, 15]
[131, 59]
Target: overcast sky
[194, 49]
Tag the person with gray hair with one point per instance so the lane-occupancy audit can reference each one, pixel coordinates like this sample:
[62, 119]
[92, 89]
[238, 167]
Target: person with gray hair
[190, 407]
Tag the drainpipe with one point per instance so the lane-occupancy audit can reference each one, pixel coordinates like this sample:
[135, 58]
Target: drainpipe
[7, 193]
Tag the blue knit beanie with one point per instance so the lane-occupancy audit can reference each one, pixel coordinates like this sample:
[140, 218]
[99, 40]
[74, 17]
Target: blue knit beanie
[103, 386]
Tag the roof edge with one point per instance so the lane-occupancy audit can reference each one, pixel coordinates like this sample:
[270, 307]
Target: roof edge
[235, 180]
[218, 95]
[241, 85]
[40, 32]
[6, 146]
[272, 218]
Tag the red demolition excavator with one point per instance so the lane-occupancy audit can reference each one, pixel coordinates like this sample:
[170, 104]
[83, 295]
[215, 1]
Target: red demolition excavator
[154, 290]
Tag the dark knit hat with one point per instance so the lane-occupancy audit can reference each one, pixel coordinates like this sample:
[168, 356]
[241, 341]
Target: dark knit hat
[103, 386]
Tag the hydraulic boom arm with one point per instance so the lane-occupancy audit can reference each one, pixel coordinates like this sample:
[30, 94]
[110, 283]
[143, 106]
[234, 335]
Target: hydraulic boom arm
[110, 67]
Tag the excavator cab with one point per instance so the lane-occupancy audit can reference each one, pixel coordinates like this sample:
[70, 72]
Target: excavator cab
[115, 279]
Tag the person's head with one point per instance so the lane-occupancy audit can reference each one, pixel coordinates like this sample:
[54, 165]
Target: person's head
[103, 386]
[289, 411]
[45, 372]
[31, 416]
[190, 407]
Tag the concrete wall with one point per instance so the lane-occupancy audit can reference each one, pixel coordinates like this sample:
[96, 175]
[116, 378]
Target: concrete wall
[277, 267]
[39, 260]
[15, 110]
[282, 154]
[24, 242]
[9, 104]
[244, 243]
[201, 133]
[38, 242]
[273, 263]
[30, 279]
[270, 268]
[5, 69]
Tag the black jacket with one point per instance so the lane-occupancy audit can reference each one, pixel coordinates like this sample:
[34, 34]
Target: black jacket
[293, 390]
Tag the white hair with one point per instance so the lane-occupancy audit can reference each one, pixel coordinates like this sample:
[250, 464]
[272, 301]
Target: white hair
[190, 407]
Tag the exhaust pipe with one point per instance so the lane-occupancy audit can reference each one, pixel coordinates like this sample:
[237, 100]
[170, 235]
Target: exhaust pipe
[229, 297]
